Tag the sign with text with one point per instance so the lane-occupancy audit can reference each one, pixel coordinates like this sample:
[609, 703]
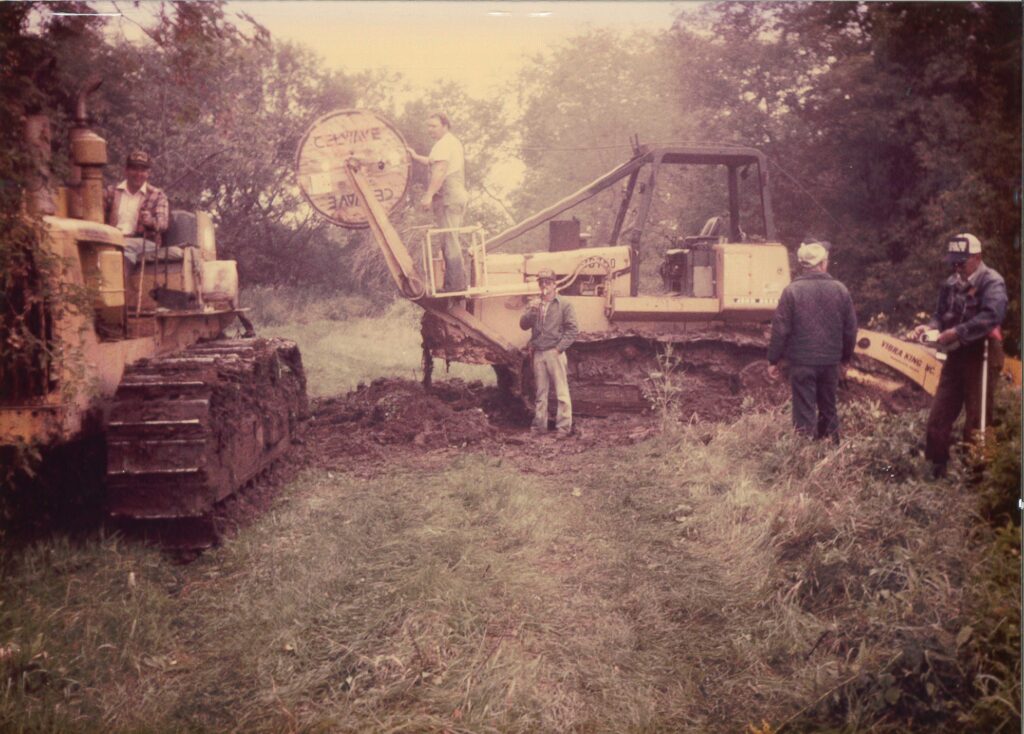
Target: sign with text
[914, 360]
[325, 151]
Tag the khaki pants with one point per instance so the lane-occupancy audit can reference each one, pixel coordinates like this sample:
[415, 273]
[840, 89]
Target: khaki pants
[551, 367]
[447, 216]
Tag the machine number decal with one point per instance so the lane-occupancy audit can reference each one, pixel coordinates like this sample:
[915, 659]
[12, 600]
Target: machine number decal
[598, 263]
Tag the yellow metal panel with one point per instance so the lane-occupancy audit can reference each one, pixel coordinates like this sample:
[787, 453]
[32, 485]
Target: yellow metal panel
[37, 424]
[1011, 368]
[913, 360]
[111, 270]
[205, 236]
[82, 230]
[661, 308]
[751, 277]
[585, 261]
[220, 281]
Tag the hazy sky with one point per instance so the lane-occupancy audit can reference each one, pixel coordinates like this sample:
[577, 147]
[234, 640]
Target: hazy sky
[479, 44]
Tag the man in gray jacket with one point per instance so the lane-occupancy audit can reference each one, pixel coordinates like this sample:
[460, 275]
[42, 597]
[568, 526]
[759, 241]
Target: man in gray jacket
[554, 326]
[970, 310]
[814, 329]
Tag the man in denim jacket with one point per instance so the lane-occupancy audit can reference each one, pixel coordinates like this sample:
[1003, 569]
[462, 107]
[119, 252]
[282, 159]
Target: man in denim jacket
[554, 326]
[970, 310]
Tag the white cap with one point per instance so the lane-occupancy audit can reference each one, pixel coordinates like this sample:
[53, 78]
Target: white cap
[811, 254]
[961, 247]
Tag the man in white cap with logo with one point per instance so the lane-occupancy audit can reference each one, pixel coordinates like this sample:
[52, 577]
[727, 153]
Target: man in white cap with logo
[554, 326]
[814, 329]
[970, 310]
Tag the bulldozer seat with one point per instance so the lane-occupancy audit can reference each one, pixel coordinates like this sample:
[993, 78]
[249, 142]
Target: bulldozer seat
[135, 248]
[182, 232]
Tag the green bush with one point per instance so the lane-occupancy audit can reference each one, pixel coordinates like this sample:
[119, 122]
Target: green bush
[999, 488]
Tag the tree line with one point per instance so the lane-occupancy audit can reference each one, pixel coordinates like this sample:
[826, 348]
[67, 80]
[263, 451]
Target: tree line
[888, 127]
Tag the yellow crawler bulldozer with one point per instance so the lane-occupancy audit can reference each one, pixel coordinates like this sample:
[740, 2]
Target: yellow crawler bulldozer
[186, 415]
[706, 314]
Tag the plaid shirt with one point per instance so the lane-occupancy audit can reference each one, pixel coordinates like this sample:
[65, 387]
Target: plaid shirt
[154, 201]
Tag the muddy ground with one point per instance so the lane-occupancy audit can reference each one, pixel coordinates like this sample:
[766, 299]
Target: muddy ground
[364, 430]
[391, 419]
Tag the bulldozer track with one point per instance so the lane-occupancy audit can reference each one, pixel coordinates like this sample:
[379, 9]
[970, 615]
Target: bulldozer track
[708, 374]
[185, 432]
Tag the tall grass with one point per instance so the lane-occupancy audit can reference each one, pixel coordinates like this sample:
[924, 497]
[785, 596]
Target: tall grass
[718, 578]
[714, 578]
[280, 306]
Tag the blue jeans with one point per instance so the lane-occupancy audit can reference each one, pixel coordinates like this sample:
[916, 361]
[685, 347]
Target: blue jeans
[136, 247]
[814, 392]
[448, 216]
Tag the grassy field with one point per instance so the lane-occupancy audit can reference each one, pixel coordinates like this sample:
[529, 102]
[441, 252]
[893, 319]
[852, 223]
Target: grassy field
[346, 340]
[719, 578]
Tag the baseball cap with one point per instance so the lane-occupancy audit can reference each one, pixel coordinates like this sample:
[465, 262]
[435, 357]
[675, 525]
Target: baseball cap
[962, 246]
[545, 274]
[811, 253]
[138, 159]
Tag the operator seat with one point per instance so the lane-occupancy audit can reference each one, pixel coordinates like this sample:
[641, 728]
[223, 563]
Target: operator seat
[709, 233]
[169, 275]
[688, 265]
[181, 233]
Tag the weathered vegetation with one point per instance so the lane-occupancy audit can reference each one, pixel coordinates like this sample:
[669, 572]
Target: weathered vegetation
[427, 566]
[421, 565]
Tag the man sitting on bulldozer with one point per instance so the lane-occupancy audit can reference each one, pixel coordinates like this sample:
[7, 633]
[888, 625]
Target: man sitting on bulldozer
[140, 211]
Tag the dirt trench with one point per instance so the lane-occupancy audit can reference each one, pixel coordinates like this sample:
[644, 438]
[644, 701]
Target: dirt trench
[374, 424]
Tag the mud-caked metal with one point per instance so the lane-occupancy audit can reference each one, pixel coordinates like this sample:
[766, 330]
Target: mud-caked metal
[728, 282]
[190, 415]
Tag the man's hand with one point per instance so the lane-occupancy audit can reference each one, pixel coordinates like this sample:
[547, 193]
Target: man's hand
[425, 202]
[948, 337]
[774, 372]
[146, 219]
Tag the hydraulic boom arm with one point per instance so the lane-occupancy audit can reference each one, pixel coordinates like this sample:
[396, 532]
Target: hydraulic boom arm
[397, 257]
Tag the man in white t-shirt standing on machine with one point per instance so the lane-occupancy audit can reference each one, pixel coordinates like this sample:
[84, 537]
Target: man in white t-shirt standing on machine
[446, 194]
